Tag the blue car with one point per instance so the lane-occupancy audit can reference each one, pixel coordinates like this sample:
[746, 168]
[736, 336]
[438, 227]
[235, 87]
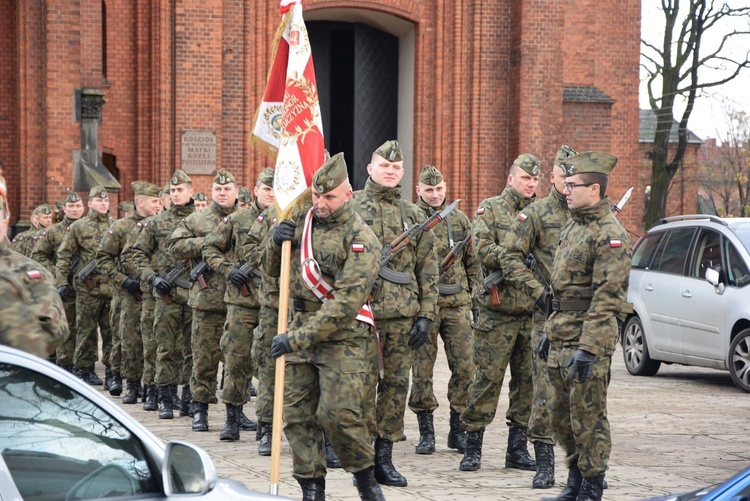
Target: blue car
[736, 488]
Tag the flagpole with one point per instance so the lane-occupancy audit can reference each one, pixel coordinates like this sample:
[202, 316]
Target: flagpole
[278, 390]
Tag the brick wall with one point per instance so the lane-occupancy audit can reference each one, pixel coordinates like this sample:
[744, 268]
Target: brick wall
[9, 122]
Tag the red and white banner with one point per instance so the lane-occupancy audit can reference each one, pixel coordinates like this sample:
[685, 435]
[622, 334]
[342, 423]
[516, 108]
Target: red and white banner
[289, 120]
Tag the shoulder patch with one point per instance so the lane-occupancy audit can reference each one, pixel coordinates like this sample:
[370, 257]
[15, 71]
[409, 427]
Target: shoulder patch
[110, 232]
[139, 224]
[260, 218]
[34, 274]
[615, 243]
[522, 217]
[358, 248]
[224, 220]
[480, 211]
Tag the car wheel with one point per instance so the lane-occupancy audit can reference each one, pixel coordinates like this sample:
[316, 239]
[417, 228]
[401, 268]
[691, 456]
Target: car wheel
[635, 351]
[739, 360]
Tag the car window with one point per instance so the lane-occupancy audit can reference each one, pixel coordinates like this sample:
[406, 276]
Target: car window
[643, 254]
[674, 251]
[59, 445]
[707, 253]
[737, 272]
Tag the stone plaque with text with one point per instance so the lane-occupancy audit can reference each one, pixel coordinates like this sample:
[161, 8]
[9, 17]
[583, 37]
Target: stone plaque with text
[199, 151]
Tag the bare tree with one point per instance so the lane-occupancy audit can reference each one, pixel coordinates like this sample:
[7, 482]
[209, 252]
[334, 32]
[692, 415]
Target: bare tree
[672, 70]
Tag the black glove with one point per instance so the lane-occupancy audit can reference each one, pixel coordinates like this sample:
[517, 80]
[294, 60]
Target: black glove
[132, 285]
[280, 345]
[285, 230]
[581, 365]
[475, 315]
[237, 277]
[64, 292]
[161, 285]
[543, 349]
[420, 332]
[544, 302]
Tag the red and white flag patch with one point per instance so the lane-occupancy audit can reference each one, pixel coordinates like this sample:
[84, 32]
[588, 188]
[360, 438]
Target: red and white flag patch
[522, 217]
[358, 248]
[480, 210]
[260, 219]
[110, 232]
[615, 243]
[34, 274]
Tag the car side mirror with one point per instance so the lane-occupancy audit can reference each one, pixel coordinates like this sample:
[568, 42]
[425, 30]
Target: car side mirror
[187, 470]
[713, 277]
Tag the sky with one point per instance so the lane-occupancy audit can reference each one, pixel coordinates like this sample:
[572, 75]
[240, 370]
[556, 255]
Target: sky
[707, 119]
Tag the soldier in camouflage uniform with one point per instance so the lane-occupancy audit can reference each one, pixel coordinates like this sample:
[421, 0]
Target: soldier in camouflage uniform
[329, 333]
[125, 209]
[503, 327]
[45, 253]
[93, 295]
[201, 202]
[32, 316]
[405, 310]
[127, 283]
[206, 295]
[244, 198]
[453, 322]
[589, 286]
[41, 219]
[535, 232]
[172, 316]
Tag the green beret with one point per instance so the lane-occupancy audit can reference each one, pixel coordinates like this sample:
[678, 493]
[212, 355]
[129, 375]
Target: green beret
[98, 191]
[200, 196]
[266, 176]
[589, 161]
[224, 177]
[145, 188]
[430, 176]
[179, 177]
[528, 163]
[244, 195]
[391, 151]
[126, 206]
[564, 152]
[331, 174]
[42, 209]
[72, 198]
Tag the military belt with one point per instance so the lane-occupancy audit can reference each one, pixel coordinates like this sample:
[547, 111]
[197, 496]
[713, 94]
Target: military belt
[396, 277]
[303, 306]
[449, 289]
[572, 305]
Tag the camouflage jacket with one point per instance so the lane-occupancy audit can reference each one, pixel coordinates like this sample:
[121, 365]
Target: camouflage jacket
[257, 238]
[490, 230]
[348, 253]
[126, 256]
[380, 208]
[23, 243]
[110, 248]
[150, 251]
[592, 263]
[536, 230]
[45, 250]
[82, 238]
[32, 315]
[222, 250]
[186, 242]
[465, 268]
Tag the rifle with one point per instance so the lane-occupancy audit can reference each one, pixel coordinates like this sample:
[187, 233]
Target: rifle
[198, 274]
[249, 271]
[86, 272]
[173, 278]
[446, 263]
[617, 208]
[402, 241]
[73, 265]
[491, 284]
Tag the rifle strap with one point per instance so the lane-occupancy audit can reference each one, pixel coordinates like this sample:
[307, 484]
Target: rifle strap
[313, 278]
[403, 214]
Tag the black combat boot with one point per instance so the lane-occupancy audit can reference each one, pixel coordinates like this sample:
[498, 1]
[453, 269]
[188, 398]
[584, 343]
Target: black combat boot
[176, 402]
[152, 399]
[545, 466]
[426, 443]
[165, 402]
[572, 486]
[367, 486]
[247, 424]
[457, 433]
[259, 431]
[264, 445]
[252, 392]
[332, 459]
[472, 460]
[200, 418]
[115, 384]
[69, 367]
[313, 489]
[231, 431]
[186, 407]
[131, 392]
[88, 375]
[385, 473]
[108, 374]
[591, 489]
[517, 454]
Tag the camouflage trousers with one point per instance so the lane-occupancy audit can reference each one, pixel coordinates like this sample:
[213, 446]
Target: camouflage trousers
[236, 347]
[268, 325]
[500, 339]
[578, 411]
[115, 353]
[130, 334]
[206, 336]
[92, 315]
[67, 349]
[174, 354]
[385, 399]
[454, 327]
[148, 338]
[539, 422]
[323, 392]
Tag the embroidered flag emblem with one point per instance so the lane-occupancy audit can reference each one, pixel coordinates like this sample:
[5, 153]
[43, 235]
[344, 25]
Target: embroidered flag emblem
[110, 232]
[522, 217]
[260, 218]
[358, 248]
[615, 243]
[34, 274]
[224, 220]
[480, 210]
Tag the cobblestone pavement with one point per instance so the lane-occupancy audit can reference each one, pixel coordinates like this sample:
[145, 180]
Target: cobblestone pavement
[680, 430]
